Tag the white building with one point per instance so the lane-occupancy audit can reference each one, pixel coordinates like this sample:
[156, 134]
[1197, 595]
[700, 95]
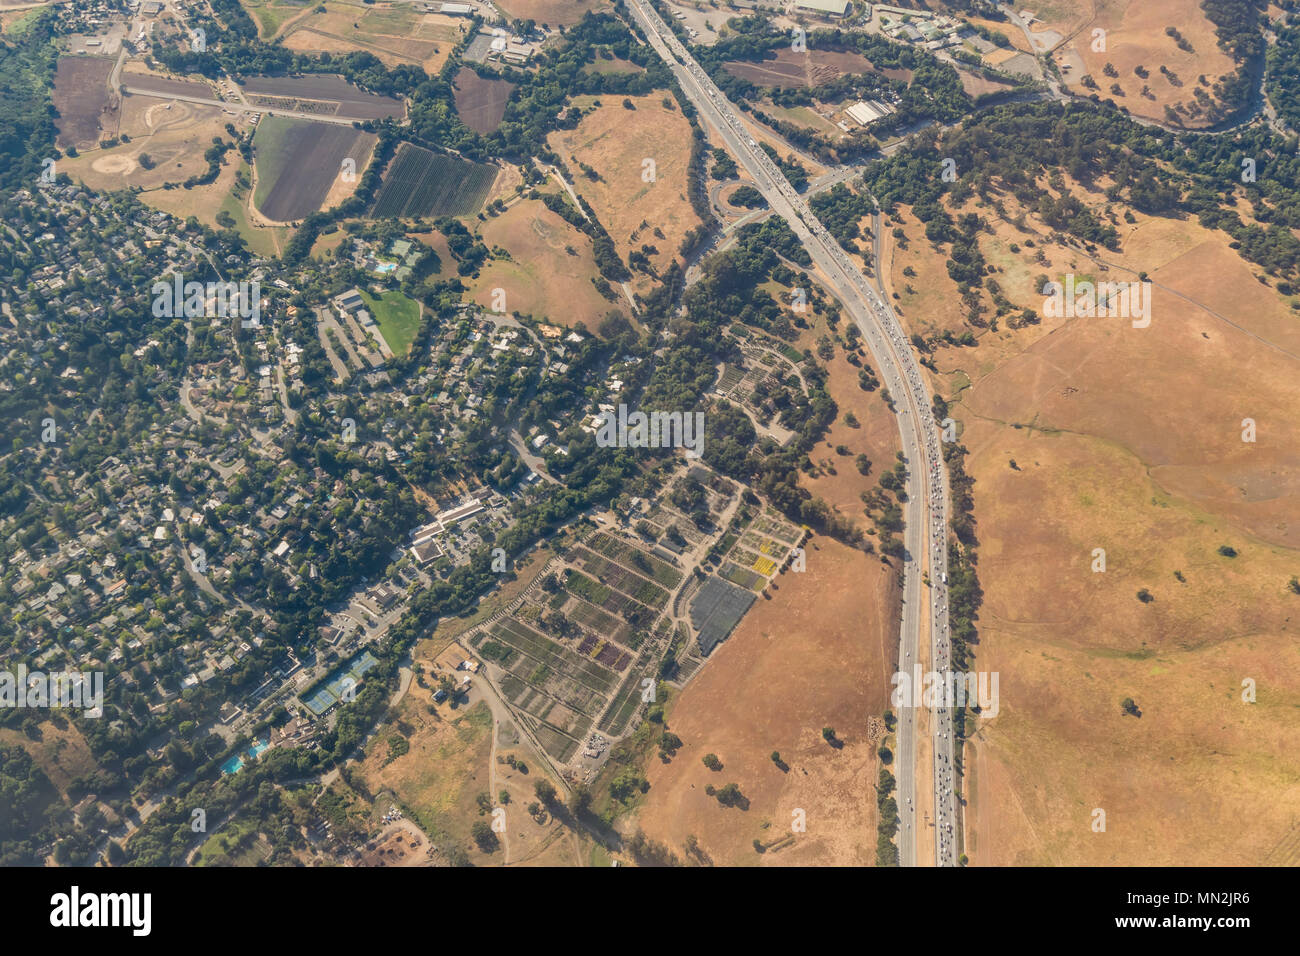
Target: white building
[866, 112]
[835, 9]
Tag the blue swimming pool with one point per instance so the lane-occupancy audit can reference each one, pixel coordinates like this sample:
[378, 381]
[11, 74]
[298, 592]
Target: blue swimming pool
[236, 763]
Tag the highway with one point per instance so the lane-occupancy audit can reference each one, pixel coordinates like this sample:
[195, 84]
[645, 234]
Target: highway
[925, 512]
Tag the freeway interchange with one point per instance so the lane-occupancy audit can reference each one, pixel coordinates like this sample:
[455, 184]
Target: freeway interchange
[925, 536]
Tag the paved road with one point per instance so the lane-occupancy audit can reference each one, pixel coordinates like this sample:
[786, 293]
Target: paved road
[237, 108]
[926, 508]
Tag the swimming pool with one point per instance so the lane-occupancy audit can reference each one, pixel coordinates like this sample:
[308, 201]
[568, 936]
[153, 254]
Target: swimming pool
[236, 763]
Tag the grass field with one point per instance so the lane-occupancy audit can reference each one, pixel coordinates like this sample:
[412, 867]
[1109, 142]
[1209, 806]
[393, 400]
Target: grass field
[271, 15]
[398, 317]
[167, 143]
[1128, 440]
[549, 272]
[818, 653]
[553, 13]
[1135, 37]
[396, 34]
[263, 240]
[439, 777]
[423, 183]
[636, 209]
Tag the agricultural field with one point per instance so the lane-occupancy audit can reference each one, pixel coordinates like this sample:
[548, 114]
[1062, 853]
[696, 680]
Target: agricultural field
[87, 111]
[299, 165]
[395, 33]
[321, 95]
[419, 182]
[550, 270]
[154, 84]
[615, 142]
[481, 101]
[571, 656]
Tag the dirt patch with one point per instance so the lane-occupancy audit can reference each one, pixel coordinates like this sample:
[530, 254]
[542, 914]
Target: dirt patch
[790, 69]
[481, 102]
[88, 112]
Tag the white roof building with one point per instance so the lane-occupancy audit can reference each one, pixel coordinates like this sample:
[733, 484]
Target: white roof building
[866, 112]
[826, 8]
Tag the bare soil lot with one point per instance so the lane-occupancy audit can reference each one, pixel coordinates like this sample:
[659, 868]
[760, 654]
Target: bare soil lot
[813, 68]
[329, 95]
[481, 102]
[87, 112]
